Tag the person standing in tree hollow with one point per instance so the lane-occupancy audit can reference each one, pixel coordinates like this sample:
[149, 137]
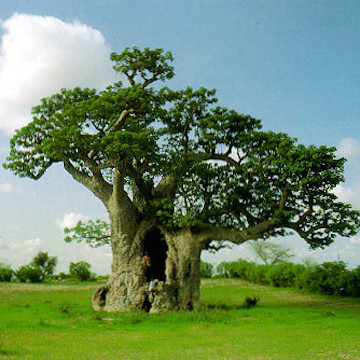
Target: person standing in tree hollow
[146, 263]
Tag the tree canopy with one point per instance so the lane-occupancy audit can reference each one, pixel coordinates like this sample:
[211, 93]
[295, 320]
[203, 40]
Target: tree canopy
[180, 158]
[45, 262]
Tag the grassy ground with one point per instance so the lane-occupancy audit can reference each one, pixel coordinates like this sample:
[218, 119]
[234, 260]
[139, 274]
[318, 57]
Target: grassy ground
[57, 322]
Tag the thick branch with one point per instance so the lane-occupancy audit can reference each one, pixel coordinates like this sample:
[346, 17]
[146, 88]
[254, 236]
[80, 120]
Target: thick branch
[239, 236]
[295, 226]
[147, 82]
[166, 188]
[120, 121]
[208, 156]
[96, 184]
[78, 175]
[123, 214]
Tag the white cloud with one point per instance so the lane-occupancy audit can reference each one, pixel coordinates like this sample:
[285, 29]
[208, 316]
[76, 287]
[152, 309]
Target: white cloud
[349, 194]
[349, 148]
[70, 220]
[6, 188]
[355, 240]
[29, 245]
[39, 56]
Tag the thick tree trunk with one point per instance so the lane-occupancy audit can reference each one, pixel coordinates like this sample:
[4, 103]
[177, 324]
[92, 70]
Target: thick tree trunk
[171, 283]
[183, 270]
[127, 282]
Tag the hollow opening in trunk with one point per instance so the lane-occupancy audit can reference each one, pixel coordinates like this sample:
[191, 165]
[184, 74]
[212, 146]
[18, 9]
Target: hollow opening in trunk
[155, 248]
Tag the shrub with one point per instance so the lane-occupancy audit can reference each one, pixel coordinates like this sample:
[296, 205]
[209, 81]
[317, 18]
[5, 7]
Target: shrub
[30, 273]
[284, 275]
[255, 273]
[331, 278]
[221, 270]
[328, 278]
[206, 269]
[60, 277]
[251, 301]
[351, 281]
[80, 270]
[234, 269]
[260, 274]
[6, 273]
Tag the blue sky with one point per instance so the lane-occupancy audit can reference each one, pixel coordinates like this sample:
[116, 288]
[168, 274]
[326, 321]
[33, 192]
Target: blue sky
[293, 64]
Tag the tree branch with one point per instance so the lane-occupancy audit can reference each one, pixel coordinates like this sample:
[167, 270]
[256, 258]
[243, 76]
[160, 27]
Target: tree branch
[148, 81]
[78, 175]
[166, 188]
[283, 198]
[96, 183]
[239, 236]
[120, 121]
[208, 156]
[124, 215]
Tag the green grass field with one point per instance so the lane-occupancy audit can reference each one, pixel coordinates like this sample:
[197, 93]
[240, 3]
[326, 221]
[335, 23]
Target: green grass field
[57, 322]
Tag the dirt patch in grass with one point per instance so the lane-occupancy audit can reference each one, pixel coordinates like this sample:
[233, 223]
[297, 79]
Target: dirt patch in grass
[4, 287]
[232, 282]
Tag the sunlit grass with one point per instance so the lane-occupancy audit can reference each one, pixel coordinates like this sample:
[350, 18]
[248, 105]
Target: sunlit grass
[57, 322]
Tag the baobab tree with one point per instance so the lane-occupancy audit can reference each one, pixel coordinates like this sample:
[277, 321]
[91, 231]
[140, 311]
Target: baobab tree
[178, 173]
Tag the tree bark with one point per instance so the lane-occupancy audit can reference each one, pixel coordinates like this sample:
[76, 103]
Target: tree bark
[183, 270]
[131, 288]
[127, 284]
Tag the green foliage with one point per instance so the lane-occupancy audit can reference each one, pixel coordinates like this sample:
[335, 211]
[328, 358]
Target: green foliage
[328, 278]
[61, 276]
[6, 273]
[331, 278]
[183, 160]
[45, 262]
[95, 233]
[149, 65]
[351, 282]
[233, 269]
[206, 269]
[80, 270]
[30, 273]
[284, 275]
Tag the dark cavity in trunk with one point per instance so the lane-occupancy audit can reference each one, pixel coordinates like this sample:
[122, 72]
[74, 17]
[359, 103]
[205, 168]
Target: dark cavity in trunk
[156, 248]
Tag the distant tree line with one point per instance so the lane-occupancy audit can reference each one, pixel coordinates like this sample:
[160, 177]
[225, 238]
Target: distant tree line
[42, 268]
[331, 278]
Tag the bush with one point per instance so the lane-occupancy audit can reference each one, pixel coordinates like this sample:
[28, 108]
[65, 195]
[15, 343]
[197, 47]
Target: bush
[250, 302]
[60, 277]
[351, 281]
[80, 270]
[284, 275]
[206, 269]
[331, 278]
[256, 273]
[6, 273]
[234, 269]
[30, 273]
[328, 278]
